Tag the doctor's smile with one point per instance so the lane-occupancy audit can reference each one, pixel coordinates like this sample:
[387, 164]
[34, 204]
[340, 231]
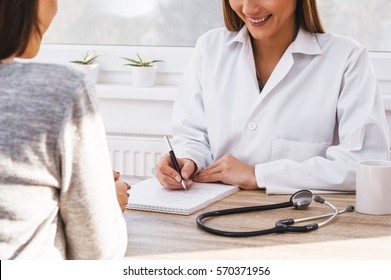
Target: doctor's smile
[255, 21]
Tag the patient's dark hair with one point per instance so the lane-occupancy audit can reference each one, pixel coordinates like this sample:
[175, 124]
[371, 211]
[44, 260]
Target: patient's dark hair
[18, 22]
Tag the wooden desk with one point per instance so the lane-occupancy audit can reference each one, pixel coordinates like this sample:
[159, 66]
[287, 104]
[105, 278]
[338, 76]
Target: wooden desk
[350, 236]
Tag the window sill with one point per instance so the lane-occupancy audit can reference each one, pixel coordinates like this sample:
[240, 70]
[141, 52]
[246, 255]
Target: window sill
[130, 92]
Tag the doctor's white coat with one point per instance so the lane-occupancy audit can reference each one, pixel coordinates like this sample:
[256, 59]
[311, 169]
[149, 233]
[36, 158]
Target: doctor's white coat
[319, 113]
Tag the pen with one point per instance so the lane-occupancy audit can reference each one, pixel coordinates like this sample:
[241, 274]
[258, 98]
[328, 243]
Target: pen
[174, 160]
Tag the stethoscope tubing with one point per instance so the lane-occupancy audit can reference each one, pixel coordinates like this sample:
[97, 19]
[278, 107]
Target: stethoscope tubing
[244, 210]
[281, 226]
[240, 210]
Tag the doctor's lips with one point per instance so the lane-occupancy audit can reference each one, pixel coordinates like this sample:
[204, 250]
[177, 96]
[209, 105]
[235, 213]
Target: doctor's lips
[259, 20]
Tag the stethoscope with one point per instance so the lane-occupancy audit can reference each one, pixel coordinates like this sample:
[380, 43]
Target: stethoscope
[300, 200]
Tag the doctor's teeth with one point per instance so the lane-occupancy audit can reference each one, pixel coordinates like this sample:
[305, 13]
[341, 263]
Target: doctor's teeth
[259, 20]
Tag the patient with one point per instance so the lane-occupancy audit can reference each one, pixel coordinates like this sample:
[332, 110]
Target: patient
[57, 192]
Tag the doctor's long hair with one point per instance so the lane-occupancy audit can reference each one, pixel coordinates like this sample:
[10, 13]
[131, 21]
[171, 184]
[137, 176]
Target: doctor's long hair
[307, 17]
[18, 22]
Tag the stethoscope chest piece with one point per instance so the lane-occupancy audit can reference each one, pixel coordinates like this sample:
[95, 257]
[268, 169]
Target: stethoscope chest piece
[301, 199]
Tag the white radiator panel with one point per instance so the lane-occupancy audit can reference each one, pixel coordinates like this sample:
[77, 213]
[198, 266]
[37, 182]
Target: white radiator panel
[135, 155]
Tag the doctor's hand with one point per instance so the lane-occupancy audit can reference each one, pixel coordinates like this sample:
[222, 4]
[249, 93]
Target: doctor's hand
[229, 170]
[169, 177]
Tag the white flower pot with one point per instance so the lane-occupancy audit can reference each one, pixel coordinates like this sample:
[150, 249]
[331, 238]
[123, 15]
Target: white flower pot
[144, 76]
[91, 71]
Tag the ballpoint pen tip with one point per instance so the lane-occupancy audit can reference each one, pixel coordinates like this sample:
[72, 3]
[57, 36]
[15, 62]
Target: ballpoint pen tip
[183, 185]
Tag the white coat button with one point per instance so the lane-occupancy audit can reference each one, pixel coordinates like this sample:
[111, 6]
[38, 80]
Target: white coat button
[252, 126]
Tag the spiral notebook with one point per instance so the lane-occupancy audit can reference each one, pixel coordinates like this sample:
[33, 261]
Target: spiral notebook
[149, 195]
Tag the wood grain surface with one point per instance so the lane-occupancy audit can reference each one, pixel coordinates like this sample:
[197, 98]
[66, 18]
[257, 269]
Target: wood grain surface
[350, 236]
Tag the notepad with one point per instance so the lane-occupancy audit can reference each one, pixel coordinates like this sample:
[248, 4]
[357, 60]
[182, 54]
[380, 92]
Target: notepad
[149, 195]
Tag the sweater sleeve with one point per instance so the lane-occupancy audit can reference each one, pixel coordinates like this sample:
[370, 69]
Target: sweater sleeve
[93, 223]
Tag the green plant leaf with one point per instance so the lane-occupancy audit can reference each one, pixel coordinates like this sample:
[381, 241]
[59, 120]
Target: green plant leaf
[139, 58]
[88, 58]
[132, 60]
[140, 62]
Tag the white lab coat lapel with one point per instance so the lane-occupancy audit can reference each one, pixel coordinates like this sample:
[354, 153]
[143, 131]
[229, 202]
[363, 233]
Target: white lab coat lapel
[252, 86]
[280, 71]
[304, 43]
[246, 62]
[248, 85]
[247, 57]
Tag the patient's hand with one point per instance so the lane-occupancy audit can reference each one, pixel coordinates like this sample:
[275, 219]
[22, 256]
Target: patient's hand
[121, 188]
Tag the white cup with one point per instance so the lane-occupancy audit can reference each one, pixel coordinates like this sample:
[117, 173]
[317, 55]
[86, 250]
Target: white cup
[373, 187]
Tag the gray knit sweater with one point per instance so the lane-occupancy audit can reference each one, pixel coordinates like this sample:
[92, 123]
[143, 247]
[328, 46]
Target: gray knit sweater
[57, 194]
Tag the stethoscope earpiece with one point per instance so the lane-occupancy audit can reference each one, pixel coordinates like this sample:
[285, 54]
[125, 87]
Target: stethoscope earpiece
[350, 208]
[300, 200]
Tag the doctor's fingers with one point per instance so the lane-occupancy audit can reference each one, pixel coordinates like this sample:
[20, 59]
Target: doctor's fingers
[171, 184]
[187, 167]
[168, 177]
[234, 173]
[209, 178]
[225, 161]
[219, 174]
[164, 160]
[164, 166]
[222, 165]
[210, 174]
[229, 170]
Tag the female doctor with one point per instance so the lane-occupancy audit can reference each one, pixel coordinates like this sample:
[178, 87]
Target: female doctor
[272, 101]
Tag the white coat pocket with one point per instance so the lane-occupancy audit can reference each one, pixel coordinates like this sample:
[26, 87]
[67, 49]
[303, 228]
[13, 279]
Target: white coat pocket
[297, 151]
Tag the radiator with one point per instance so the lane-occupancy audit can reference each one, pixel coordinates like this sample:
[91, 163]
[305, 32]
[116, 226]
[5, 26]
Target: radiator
[135, 155]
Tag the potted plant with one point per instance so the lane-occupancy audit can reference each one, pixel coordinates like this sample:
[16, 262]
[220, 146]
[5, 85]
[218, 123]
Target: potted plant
[143, 71]
[88, 65]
